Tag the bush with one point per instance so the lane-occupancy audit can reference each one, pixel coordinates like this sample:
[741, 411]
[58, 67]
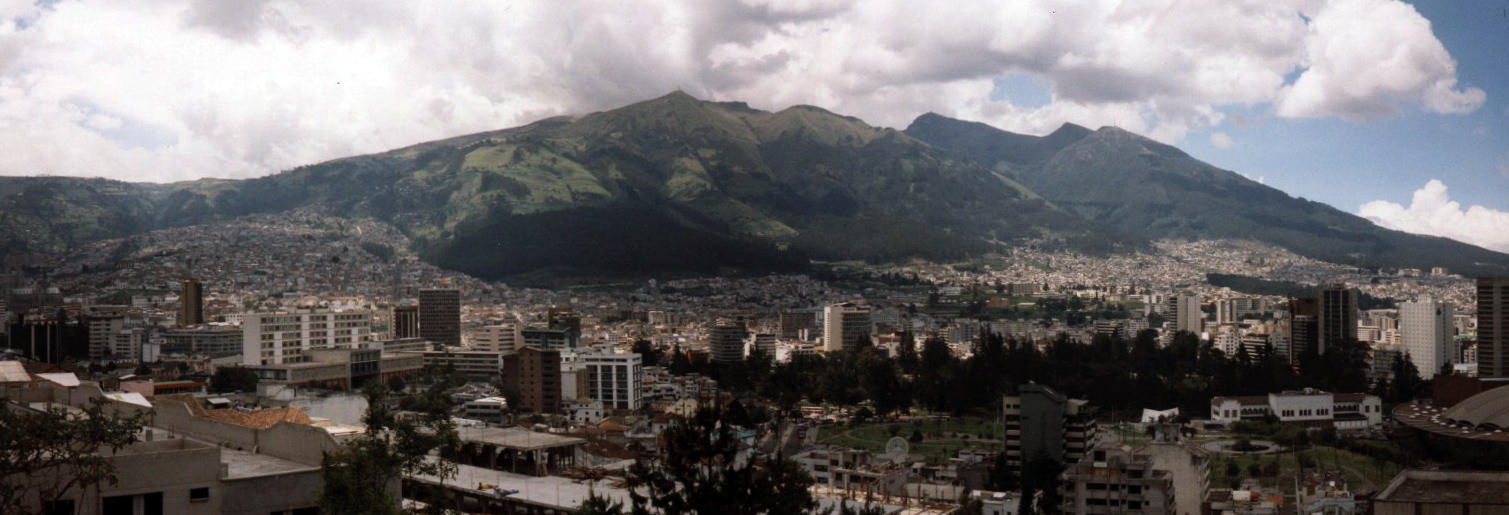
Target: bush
[916, 436]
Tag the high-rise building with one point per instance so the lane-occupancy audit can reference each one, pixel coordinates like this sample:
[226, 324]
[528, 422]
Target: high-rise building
[764, 343]
[725, 342]
[1426, 331]
[1493, 327]
[1338, 316]
[440, 316]
[405, 322]
[536, 375]
[793, 322]
[497, 338]
[1187, 314]
[191, 303]
[278, 338]
[1041, 420]
[102, 329]
[1114, 481]
[844, 324]
[615, 379]
[1304, 328]
[128, 344]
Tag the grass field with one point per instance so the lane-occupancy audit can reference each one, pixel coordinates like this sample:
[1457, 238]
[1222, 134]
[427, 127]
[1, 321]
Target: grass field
[941, 440]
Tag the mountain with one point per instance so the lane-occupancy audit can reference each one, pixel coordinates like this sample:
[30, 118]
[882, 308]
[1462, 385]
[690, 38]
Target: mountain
[669, 185]
[1152, 190]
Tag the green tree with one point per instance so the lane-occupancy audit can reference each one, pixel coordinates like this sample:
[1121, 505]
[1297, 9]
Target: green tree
[599, 505]
[699, 472]
[46, 454]
[358, 478]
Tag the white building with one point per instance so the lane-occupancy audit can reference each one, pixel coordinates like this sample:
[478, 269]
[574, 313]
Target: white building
[1308, 407]
[128, 343]
[614, 379]
[496, 338]
[1187, 314]
[102, 330]
[843, 324]
[277, 338]
[1426, 331]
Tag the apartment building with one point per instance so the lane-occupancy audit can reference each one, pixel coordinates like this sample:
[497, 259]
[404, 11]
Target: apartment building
[277, 338]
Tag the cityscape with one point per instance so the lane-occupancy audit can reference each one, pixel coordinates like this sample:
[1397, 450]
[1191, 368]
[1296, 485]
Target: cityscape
[607, 298]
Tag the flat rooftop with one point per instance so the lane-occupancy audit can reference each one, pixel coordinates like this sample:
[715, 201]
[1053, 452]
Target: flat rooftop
[549, 491]
[516, 438]
[1445, 486]
[245, 465]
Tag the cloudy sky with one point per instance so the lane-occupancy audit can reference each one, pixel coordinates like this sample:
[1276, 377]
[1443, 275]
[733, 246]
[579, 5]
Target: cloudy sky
[1393, 110]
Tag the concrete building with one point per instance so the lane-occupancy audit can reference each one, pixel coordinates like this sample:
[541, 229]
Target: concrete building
[792, 323]
[497, 338]
[725, 342]
[764, 343]
[1304, 328]
[102, 330]
[1114, 481]
[1415, 492]
[1187, 464]
[1338, 316]
[1493, 327]
[1040, 419]
[1426, 333]
[440, 316]
[1308, 407]
[536, 375]
[476, 366]
[405, 322]
[128, 344]
[1187, 314]
[277, 338]
[212, 339]
[843, 325]
[615, 379]
[191, 303]
[560, 338]
[339, 369]
[493, 410]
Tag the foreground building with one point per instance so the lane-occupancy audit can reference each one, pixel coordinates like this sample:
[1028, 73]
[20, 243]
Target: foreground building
[1414, 492]
[1040, 419]
[1115, 481]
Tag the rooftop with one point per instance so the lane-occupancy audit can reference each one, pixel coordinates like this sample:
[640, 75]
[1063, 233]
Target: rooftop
[516, 438]
[1444, 486]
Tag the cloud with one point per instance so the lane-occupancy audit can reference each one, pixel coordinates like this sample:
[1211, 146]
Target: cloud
[1363, 56]
[168, 90]
[1220, 140]
[1433, 212]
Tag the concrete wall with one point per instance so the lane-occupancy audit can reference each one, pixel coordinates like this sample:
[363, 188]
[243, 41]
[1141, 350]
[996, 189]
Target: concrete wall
[270, 494]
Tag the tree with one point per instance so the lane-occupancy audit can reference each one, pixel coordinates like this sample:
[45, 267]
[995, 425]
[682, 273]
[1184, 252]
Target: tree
[647, 352]
[47, 454]
[359, 476]
[599, 505]
[233, 379]
[699, 472]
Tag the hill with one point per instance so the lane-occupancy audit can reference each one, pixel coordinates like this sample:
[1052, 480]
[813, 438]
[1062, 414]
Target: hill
[1152, 190]
[670, 185]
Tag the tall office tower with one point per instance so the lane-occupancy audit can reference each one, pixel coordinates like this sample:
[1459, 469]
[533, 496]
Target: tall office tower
[1493, 327]
[1426, 330]
[1338, 315]
[191, 303]
[614, 379]
[725, 341]
[278, 338]
[1042, 420]
[405, 322]
[843, 326]
[440, 316]
[102, 329]
[1187, 314]
[536, 375]
[1304, 327]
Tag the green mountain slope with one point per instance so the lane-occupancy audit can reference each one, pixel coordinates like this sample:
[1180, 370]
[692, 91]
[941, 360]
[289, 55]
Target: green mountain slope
[1153, 190]
[673, 184]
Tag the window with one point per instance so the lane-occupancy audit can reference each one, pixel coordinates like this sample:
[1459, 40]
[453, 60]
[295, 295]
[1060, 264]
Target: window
[61, 507]
[199, 494]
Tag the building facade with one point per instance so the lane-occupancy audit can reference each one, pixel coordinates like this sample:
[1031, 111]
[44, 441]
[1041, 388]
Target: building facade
[725, 342]
[276, 338]
[843, 326]
[1114, 481]
[191, 303]
[1041, 420]
[1427, 335]
[615, 379]
[1338, 316]
[1493, 327]
[440, 316]
[496, 338]
[405, 322]
[536, 375]
[1187, 314]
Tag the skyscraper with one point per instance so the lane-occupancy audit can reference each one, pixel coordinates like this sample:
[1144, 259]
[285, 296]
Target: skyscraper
[1304, 326]
[1426, 330]
[1493, 327]
[1338, 316]
[843, 326]
[1187, 314]
[191, 303]
[725, 341]
[440, 316]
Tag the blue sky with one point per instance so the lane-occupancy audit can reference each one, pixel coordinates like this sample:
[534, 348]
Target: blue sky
[1346, 164]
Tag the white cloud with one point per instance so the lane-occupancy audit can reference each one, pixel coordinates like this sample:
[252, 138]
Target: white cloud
[1220, 140]
[1433, 212]
[176, 89]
